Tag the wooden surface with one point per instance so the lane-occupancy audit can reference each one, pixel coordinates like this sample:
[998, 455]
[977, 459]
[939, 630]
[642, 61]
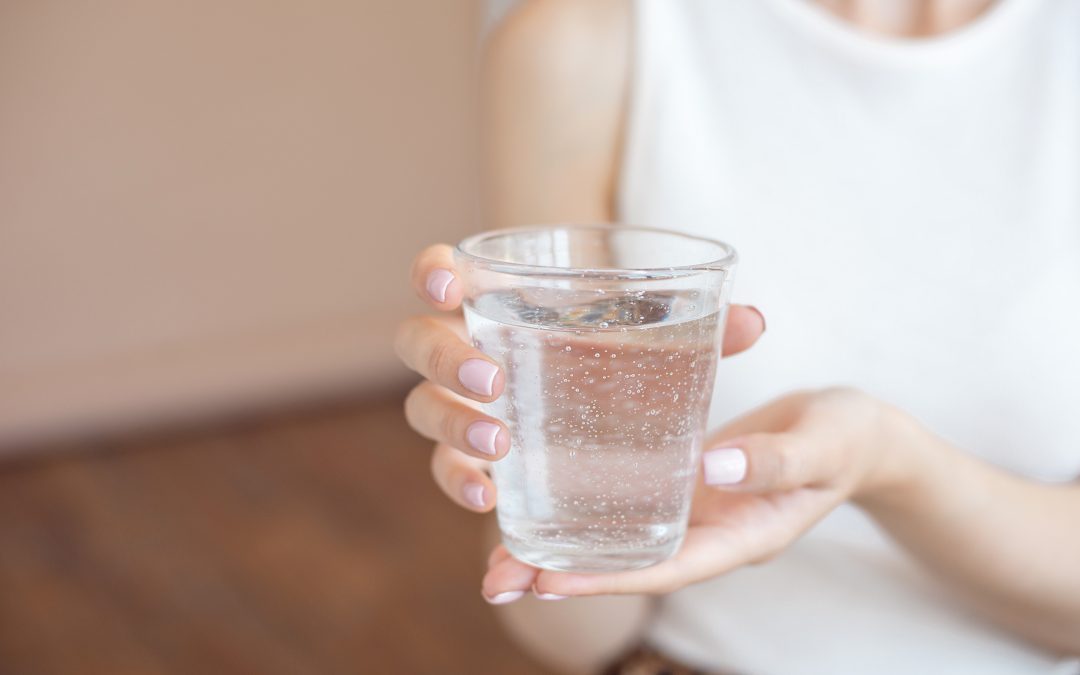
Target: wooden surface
[304, 542]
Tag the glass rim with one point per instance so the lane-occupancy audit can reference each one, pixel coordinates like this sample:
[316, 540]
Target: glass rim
[722, 264]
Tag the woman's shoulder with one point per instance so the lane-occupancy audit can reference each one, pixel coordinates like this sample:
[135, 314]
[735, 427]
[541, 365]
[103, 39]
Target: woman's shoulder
[556, 78]
[567, 39]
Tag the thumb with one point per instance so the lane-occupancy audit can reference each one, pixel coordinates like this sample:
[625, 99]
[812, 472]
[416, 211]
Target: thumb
[765, 463]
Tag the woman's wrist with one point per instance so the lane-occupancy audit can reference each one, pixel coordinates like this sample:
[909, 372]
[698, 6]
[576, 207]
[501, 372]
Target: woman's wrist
[902, 455]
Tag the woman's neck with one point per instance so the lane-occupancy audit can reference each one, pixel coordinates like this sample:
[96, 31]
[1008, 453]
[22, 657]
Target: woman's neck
[907, 18]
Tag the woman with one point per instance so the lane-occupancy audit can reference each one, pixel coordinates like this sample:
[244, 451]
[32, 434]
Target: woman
[902, 181]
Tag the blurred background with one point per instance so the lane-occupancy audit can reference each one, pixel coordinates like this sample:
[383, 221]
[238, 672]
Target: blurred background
[207, 212]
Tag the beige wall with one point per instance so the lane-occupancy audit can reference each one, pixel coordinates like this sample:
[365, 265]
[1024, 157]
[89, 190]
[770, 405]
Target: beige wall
[210, 204]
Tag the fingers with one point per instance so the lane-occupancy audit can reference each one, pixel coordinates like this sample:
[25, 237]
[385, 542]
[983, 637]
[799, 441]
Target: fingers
[768, 463]
[437, 414]
[462, 478]
[507, 580]
[704, 554]
[434, 279]
[745, 324]
[498, 554]
[430, 347]
[770, 449]
[658, 579]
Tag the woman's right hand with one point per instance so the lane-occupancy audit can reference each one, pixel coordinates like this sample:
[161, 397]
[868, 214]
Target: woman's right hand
[457, 377]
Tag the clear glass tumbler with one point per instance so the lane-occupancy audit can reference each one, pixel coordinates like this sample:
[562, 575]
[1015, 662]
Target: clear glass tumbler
[609, 337]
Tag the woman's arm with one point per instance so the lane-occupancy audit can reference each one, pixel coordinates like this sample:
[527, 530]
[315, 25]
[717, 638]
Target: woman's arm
[555, 76]
[1010, 545]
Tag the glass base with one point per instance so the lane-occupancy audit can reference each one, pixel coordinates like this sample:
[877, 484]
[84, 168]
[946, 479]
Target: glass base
[590, 559]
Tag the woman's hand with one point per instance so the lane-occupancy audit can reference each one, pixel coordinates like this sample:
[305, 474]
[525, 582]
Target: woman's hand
[1009, 544]
[765, 479]
[457, 377]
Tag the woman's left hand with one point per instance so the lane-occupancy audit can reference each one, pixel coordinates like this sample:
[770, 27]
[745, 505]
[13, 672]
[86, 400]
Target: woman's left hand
[766, 478]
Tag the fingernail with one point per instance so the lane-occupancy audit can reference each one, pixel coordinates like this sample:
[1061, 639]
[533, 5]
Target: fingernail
[549, 596]
[437, 283]
[478, 376]
[758, 312]
[482, 435]
[474, 494]
[726, 466]
[504, 598]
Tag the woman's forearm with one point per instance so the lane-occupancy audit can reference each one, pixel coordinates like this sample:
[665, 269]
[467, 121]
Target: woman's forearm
[1011, 546]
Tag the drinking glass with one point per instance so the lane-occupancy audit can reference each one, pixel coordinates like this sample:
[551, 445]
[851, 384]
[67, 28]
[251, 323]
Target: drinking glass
[608, 336]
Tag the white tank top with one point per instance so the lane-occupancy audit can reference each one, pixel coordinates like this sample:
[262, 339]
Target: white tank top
[907, 215]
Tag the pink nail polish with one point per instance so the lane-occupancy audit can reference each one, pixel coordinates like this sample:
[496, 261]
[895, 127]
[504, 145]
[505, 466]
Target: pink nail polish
[478, 376]
[725, 466]
[437, 283]
[474, 494]
[505, 597]
[482, 436]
